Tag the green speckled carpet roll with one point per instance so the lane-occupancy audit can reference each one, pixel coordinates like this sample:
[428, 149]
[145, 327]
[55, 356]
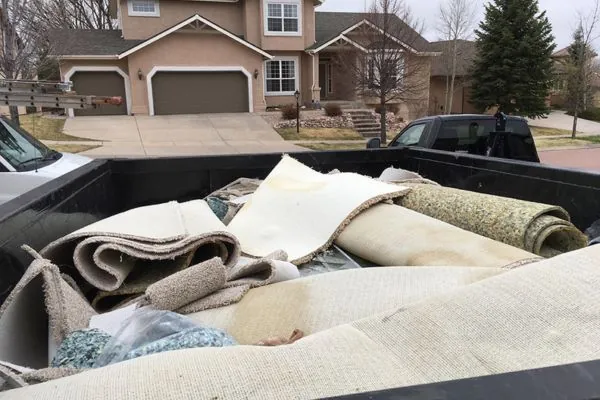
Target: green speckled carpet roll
[538, 228]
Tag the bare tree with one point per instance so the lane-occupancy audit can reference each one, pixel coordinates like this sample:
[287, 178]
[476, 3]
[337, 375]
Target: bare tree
[385, 63]
[581, 70]
[21, 42]
[77, 14]
[456, 23]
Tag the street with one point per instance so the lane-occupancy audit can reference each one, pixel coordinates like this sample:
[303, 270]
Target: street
[585, 159]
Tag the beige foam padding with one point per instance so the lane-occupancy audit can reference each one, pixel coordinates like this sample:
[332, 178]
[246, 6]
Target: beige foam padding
[541, 315]
[392, 235]
[106, 252]
[316, 303]
[42, 303]
[300, 211]
[539, 228]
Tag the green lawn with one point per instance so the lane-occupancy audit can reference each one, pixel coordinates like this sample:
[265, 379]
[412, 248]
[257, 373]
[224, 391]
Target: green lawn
[319, 134]
[540, 131]
[549, 142]
[44, 128]
[335, 146]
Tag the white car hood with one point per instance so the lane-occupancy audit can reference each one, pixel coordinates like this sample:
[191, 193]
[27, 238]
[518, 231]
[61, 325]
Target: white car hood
[13, 184]
[67, 163]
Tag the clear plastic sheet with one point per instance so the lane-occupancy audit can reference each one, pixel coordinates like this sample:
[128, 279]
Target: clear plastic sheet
[333, 259]
[150, 331]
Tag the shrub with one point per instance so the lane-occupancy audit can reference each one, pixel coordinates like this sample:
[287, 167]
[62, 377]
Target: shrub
[289, 111]
[592, 114]
[333, 110]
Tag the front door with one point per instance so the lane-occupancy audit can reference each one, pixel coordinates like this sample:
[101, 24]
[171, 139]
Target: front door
[323, 79]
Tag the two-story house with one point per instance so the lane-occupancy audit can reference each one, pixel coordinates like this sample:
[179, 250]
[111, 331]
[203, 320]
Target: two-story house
[201, 56]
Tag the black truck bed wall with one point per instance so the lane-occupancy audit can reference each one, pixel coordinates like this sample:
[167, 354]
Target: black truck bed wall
[105, 187]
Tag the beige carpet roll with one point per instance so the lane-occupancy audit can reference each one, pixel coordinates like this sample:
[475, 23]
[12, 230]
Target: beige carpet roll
[316, 303]
[541, 315]
[392, 235]
[538, 228]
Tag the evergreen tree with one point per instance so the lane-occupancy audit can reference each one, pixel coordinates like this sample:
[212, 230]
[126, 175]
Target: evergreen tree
[513, 69]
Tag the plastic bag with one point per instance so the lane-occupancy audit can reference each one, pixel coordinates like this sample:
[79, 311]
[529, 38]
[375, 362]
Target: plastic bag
[150, 331]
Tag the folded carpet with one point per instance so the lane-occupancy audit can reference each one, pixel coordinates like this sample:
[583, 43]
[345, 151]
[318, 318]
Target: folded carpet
[124, 254]
[301, 211]
[42, 308]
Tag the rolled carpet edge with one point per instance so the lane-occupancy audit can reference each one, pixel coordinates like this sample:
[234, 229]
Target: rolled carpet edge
[538, 228]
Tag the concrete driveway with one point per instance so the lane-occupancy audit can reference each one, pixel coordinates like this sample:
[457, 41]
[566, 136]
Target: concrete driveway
[560, 120]
[178, 135]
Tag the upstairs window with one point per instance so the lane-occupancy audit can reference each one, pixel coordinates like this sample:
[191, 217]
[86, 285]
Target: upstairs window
[143, 8]
[282, 17]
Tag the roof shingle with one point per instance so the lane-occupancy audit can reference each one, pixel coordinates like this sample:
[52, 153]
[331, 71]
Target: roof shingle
[466, 54]
[328, 25]
[87, 42]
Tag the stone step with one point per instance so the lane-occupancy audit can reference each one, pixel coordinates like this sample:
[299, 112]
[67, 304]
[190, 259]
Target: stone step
[370, 132]
[360, 114]
[367, 127]
[363, 118]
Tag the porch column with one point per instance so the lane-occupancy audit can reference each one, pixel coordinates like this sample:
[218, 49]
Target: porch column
[315, 88]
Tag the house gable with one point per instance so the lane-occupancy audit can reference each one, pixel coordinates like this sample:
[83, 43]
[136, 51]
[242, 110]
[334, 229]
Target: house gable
[332, 27]
[198, 23]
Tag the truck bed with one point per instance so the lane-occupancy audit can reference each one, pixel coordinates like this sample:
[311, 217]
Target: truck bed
[106, 187]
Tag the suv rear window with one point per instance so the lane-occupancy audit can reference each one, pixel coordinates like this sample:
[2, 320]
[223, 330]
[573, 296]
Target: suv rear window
[471, 136]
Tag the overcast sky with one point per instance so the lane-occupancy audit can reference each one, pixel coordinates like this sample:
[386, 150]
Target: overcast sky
[562, 14]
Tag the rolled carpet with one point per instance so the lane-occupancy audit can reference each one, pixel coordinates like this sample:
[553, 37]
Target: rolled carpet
[541, 315]
[320, 302]
[539, 228]
[388, 234]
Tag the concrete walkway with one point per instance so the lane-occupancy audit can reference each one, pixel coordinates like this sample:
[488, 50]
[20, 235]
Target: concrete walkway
[560, 120]
[178, 135]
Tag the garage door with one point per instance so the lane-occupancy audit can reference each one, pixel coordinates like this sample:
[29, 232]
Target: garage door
[199, 92]
[100, 83]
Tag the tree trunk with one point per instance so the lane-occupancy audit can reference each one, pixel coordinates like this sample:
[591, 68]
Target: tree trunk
[575, 115]
[446, 93]
[14, 115]
[453, 77]
[382, 120]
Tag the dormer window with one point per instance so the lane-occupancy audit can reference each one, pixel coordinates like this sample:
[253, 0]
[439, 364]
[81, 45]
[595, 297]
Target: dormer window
[143, 8]
[283, 17]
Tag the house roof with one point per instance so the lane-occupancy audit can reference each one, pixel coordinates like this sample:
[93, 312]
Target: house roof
[564, 52]
[70, 43]
[329, 25]
[466, 54]
[88, 42]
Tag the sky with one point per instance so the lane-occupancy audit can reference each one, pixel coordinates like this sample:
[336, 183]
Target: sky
[563, 14]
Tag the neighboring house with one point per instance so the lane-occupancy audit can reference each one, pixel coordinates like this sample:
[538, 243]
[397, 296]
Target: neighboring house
[185, 57]
[559, 86]
[441, 73]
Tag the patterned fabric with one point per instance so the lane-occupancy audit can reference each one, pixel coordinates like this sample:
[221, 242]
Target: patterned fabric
[187, 339]
[81, 349]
